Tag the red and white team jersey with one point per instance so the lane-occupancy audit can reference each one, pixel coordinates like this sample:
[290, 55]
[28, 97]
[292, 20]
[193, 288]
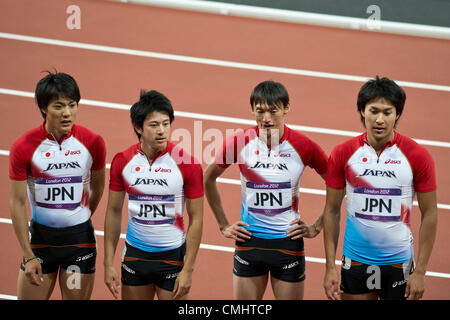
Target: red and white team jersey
[58, 173]
[156, 194]
[380, 192]
[270, 179]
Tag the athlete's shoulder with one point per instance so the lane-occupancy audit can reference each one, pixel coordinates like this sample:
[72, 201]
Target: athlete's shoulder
[127, 154]
[299, 140]
[85, 135]
[30, 140]
[348, 147]
[407, 144]
[22, 150]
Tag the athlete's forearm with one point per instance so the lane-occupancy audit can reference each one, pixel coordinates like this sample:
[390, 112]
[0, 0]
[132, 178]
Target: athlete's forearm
[20, 224]
[97, 187]
[213, 196]
[330, 236]
[193, 240]
[112, 235]
[194, 208]
[318, 224]
[427, 235]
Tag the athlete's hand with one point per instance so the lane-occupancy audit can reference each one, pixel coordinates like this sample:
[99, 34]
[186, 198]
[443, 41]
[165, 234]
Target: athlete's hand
[183, 284]
[33, 271]
[331, 284]
[415, 286]
[112, 280]
[302, 229]
[236, 232]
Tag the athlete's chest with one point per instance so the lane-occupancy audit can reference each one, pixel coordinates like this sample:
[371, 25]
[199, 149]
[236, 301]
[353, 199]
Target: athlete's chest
[161, 177]
[70, 158]
[278, 164]
[389, 169]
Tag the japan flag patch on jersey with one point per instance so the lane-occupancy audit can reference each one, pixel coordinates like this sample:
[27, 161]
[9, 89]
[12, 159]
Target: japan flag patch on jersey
[138, 169]
[47, 155]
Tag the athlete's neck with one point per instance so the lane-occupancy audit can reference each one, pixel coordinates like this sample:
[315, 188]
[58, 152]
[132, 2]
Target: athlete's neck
[56, 134]
[379, 144]
[271, 137]
[149, 152]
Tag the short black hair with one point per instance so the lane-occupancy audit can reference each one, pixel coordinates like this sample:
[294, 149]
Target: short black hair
[149, 102]
[381, 88]
[271, 93]
[53, 85]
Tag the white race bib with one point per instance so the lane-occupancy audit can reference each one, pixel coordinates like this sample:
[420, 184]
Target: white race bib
[378, 204]
[59, 192]
[149, 209]
[268, 198]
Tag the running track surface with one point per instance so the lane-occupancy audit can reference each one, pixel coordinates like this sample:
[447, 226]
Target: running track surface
[220, 91]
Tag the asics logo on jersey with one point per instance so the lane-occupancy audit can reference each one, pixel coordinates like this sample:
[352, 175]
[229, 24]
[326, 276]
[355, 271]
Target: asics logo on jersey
[154, 182]
[62, 165]
[68, 152]
[378, 173]
[390, 161]
[276, 166]
[163, 170]
[282, 155]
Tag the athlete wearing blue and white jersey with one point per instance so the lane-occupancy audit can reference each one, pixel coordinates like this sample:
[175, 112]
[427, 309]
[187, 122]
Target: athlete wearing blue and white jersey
[159, 179]
[380, 172]
[271, 159]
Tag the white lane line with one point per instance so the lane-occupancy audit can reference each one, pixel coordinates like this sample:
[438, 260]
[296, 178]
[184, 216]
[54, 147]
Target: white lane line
[213, 62]
[231, 250]
[292, 16]
[209, 117]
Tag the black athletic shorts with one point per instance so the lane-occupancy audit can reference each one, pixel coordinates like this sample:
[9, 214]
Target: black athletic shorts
[389, 281]
[72, 248]
[284, 258]
[160, 268]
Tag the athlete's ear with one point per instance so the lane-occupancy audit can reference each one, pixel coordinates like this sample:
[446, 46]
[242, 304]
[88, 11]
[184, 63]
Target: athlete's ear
[138, 130]
[286, 108]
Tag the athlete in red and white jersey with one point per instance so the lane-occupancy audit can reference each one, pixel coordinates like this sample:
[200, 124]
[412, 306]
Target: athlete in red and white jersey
[58, 173]
[270, 177]
[269, 236]
[62, 167]
[159, 178]
[380, 171]
[156, 194]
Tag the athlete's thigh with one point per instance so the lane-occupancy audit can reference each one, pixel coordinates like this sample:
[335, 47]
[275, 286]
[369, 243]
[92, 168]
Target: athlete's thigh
[164, 294]
[28, 291]
[144, 292]
[284, 290]
[75, 285]
[249, 288]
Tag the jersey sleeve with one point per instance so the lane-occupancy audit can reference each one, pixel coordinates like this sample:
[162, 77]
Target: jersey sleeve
[318, 158]
[98, 152]
[19, 162]
[423, 170]
[193, 181]
[116, 180]
[336, 169]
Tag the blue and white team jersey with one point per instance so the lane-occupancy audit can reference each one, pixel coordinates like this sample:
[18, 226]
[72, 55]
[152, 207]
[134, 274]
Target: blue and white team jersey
[380, 191]
[270, 179]
[156, 194]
